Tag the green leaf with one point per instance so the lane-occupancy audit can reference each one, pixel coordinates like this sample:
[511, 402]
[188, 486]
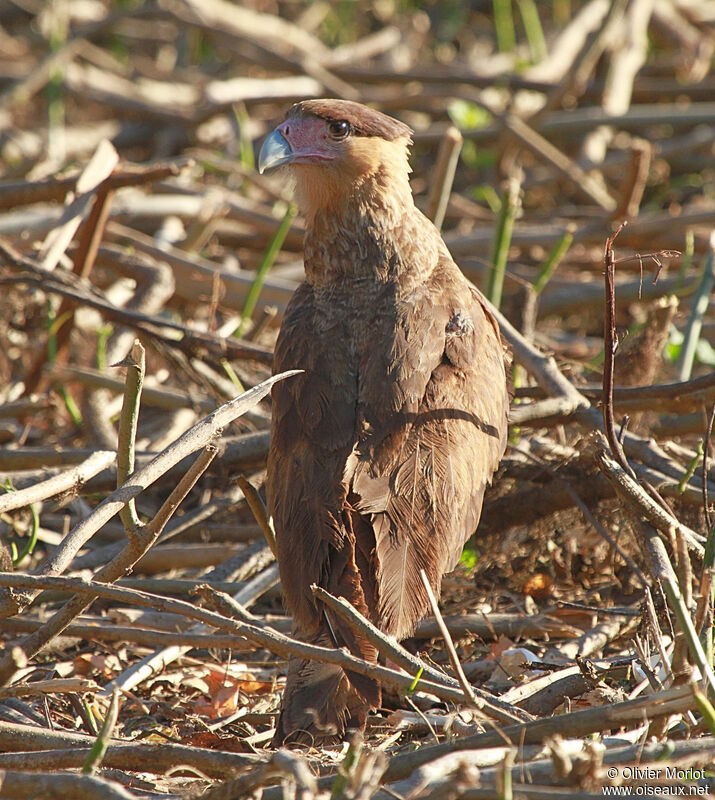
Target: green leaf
[468, 116]
[468, 558]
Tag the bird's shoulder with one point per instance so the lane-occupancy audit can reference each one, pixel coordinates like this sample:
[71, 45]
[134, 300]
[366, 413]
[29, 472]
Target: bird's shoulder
[439, 323]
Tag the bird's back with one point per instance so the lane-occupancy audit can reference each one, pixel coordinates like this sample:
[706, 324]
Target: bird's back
[386, 444]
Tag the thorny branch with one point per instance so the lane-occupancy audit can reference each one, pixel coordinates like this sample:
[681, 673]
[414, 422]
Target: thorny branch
[610, 343]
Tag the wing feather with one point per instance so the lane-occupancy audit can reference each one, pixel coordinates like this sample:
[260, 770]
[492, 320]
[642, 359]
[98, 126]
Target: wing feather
[421, 470]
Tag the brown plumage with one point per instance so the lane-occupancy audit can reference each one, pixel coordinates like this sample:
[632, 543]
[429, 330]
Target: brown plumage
[381, 452]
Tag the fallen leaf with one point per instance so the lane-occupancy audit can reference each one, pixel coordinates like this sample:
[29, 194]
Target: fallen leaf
[86, 664]
[497, 648]
[539, 586]
[221, 703]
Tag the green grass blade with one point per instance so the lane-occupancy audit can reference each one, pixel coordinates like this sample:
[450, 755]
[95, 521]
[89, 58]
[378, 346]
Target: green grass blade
[245, 144]
[690, 469]
[31, 540]
[54, 323]
[413, 685]
[534, 31]
[99, 748]
[502, 240]
[699, 308]
[504, 25]
[553, 260]
[266, 263]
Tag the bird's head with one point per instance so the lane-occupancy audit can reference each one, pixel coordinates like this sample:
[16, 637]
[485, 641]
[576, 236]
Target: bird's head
[335, 148]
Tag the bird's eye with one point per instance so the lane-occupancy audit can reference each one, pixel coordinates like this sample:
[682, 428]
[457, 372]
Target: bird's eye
[339, 129]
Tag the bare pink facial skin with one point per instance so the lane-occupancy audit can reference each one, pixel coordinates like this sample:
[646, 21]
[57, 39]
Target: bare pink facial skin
[309, 140]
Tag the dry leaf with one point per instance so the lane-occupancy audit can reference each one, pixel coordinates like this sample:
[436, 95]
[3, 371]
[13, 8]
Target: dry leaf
[497, 648]
[221, 703]
[539, 586]
[86, 664]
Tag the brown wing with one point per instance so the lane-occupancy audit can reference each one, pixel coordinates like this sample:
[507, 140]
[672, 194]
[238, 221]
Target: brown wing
[313, 431]
[433, 434]
[313, 425]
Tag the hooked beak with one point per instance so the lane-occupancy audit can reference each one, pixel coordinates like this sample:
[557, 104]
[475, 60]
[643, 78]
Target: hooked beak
[275, 151]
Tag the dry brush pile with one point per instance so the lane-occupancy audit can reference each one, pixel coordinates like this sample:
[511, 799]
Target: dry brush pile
[145, 266]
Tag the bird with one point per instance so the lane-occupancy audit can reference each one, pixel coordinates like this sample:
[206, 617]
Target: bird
[382, 448]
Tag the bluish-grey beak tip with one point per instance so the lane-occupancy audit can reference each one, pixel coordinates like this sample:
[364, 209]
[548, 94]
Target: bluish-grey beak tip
[275, 151]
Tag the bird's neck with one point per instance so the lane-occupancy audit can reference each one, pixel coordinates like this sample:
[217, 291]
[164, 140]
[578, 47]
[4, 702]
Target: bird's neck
[361, 231]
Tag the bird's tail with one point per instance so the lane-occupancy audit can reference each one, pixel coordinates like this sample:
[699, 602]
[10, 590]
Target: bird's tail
[321, 701]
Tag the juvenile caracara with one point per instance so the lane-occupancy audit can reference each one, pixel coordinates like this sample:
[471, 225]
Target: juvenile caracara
[381, 451]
